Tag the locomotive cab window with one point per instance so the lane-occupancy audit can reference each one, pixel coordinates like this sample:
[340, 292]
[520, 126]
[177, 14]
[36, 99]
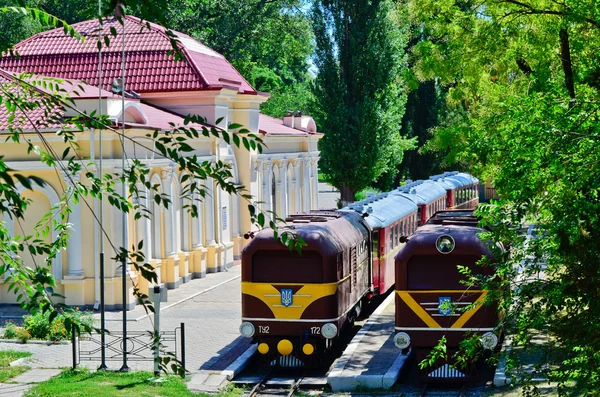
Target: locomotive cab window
[287, 267]
[435, 273]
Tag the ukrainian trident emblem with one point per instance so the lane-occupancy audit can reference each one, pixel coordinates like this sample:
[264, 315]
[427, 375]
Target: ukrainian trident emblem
[286, 297]
[445, 305]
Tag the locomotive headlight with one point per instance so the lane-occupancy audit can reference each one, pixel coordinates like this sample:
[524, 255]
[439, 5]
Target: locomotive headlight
[329, 330]
[445, 244]
[247, 329]
[402, 340]
[489, 341]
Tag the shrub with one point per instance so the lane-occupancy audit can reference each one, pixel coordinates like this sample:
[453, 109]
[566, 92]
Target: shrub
[38, 324]
[22, 334]
[363, 194]
[10, 332]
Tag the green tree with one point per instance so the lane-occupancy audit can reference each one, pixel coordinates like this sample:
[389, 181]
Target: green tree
[16, 26]
[359, 91]
[523, 87]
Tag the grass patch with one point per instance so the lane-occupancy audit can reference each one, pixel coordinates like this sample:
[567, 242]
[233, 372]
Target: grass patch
[82, 382]
[6, 371]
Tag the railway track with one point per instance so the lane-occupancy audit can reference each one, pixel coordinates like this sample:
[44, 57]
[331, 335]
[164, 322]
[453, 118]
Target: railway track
[428, 391]
[265, 387]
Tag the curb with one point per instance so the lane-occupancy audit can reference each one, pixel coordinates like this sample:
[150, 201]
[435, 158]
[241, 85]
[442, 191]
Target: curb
[20, 362]
[240, 363]
[340, 363]
[35, 342]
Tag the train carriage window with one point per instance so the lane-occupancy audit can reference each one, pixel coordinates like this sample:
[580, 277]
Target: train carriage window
[287, 267]
[375, 245]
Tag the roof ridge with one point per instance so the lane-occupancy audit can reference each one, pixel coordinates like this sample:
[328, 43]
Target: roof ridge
[45, 32]
[163, 31]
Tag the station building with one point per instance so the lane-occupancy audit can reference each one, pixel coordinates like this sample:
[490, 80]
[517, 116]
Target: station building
[283, 178]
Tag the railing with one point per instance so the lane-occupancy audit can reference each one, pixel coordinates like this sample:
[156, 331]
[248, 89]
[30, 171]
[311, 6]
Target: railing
[139, 345]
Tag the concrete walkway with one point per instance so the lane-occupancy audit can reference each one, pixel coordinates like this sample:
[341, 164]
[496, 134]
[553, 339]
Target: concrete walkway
[26, 381]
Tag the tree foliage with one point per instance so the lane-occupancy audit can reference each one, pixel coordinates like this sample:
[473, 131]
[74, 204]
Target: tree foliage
[359, 91]
[523, 86]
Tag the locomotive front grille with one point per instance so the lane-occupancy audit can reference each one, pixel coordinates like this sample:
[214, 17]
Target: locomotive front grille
[287, 362]
[446, 371]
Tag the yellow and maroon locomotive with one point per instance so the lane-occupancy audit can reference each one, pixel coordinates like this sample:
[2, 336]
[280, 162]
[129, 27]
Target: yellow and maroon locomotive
[293, 304]
[431, 300]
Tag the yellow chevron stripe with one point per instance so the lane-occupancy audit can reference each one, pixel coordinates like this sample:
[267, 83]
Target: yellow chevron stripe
[426, 317]
[306, 295]
[419, 311]
[466, 316]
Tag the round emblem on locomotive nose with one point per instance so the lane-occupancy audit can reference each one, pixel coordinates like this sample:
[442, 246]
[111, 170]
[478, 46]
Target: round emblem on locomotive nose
[445, 244]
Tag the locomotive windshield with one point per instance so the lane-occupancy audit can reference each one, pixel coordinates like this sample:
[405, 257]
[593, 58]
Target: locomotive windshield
[287, 267]
[435, 273]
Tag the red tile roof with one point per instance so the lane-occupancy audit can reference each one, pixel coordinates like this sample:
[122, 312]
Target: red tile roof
[149, 68]
[271, 126]
[38, 116]
[35, 116]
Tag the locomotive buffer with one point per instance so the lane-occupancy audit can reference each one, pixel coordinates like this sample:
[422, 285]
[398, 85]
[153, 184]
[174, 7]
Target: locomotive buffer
[371, 360]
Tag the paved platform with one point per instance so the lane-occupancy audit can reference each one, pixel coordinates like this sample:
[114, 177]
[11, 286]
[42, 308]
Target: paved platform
[371, 360]
[210, 308]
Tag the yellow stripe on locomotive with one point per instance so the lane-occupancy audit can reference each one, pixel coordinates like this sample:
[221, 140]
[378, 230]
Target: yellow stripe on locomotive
[270, 295]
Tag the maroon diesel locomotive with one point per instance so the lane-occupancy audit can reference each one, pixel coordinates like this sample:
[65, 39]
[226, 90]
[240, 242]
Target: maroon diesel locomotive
[294, 305]
[431, 301]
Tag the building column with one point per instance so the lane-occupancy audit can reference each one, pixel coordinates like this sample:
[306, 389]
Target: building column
[73, 281]
[306, 205]
[198, 251]
[75, 265]
[298, 186]
[256, 168]
[142, 233]
[113, 285]
[283, 196]
[209, 206]
[315, 183]
[267, 185]
[234, 203]
[170, 272]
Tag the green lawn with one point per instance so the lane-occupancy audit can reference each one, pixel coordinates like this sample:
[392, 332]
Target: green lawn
[6, 371]
[108, 383]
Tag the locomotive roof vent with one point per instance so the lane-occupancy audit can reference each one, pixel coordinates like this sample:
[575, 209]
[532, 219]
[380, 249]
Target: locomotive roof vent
[301, 220]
